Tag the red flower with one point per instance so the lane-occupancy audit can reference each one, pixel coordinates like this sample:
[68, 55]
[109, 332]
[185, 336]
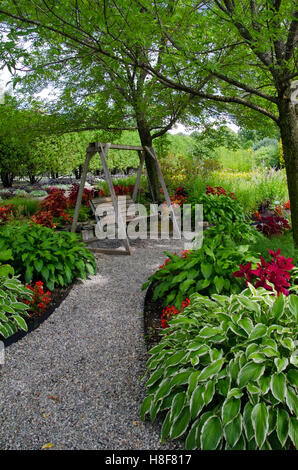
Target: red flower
[170, 311]
[39, 299]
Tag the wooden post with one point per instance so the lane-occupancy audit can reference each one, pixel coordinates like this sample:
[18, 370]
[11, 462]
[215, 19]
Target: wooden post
[103, 153]
[89, 155]
[135, 190]
[151, 151]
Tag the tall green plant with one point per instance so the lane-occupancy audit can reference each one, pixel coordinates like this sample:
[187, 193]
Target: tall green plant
[40, 253]
[224, 375]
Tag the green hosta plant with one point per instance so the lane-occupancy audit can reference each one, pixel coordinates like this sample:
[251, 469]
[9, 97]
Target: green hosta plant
[224, 375]
[40, 253]
[208, 270]
[12, 291]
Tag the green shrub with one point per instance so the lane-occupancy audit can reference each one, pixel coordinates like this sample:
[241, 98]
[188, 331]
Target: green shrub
[84, 213]
[40, 253]
[221, 209]
[12, 310]
[38, 193]
[207, 270]
[21, 193]
[225, 373]
[24, 206]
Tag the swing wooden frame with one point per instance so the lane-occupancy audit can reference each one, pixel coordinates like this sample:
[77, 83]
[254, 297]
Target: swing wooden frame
[103, 149]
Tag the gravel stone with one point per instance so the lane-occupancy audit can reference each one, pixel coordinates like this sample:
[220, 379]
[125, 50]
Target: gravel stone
[75, 381]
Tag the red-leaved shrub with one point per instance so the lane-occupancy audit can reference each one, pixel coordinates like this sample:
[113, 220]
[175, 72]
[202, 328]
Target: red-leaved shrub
[219, 191]
[276, 271]
[5, 212]
[73, 194]
[272, 225]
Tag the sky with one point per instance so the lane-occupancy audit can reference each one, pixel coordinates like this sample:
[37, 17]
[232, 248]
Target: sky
[5, 77]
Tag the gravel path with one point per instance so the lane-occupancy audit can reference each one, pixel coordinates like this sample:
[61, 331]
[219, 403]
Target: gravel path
[74, 382]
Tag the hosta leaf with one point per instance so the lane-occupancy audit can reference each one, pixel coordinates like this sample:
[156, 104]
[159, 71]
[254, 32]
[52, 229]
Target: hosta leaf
[209, 392]
[197, 346]
[155, 408]
[146, 406]
[197, 402]
[28, 274]
[211, 370]
[269, 351]
[249, 304]
[191, 440]
[219, 283]
[293, 304]
[260, 422]
[192, 383]
[278, 386]
[235, 393]
[4, 331]
[272, 419]
[250, 372]
[240, 444]
[230, 410]
[252, 389]
[282, 425]
[181, 378]
[209, 332]
[264, 383]
[288, 343]
[292, 376]
[293, 431]
[246, 324]
[38, 264]
[206, 269]
[259, 331]
[233, 431]
[166, 427]
[177, 405]
[294, 359]
[163, 389]
[278, 307]
[211, 434]
[292, 400]
[186, 285]
[257, 357]
[181, 423]
[175, 358]
[247, 422]
[154, 377]
[20, 322]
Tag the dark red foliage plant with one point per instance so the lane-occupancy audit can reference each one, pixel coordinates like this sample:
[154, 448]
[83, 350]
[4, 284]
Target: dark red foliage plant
[276, 272]
[55, 202]
[5, 212]
[272, 225]
[219, 191]
[122, 190]
[73, 194]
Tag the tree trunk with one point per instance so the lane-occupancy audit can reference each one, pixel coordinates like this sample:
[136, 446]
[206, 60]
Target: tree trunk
[153, 181]
[289, 135]
[78, 172]
[32, 178]
[7, 179]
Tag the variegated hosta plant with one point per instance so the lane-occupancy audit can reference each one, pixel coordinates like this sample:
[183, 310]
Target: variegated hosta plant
[224, 375]
[12, 310]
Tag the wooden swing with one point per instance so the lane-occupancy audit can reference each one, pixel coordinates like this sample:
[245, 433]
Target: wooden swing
[102, 149]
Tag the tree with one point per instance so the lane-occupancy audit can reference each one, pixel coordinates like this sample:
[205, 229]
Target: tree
[99, 88]
[240, 53]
